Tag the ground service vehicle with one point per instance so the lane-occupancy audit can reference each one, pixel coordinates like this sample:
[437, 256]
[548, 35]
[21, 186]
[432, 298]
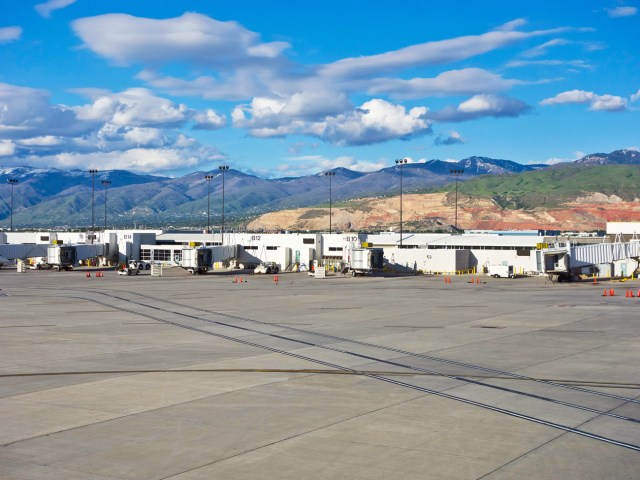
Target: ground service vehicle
[267, 267]
[500, 271]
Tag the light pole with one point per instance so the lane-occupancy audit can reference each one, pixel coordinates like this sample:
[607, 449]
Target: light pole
[12, 182]
[330, 175]
[106, 184]
[401, 162]
[223, 168]
[93, 197]
[208, 178]
[456, 172]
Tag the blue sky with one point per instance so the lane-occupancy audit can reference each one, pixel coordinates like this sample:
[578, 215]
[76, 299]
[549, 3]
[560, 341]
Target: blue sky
[293, 88]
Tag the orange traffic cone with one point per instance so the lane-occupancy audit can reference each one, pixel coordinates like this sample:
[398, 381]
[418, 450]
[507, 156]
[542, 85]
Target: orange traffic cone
[604, 293]
[612, 293]
[88, 274]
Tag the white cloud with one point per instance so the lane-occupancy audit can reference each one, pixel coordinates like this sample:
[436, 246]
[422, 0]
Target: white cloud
[239, 85]
[316, 104]
[635, 97]
[112, 124]
[139, 107]
[10, 34]
[480, 106]
[142, 160]
[512, 25]
[135, 107]
[452, 138]
[554, 161]
[209, 120]
[311, 164]
[143, 136]
[192, 37]
[429, 53]
[577, 155]
[374, 121]
[244, 67]
[46, 8]
[468, 81]
[542, 49]
[7, 147]
[44, 141]
[609, 103]
[623, 11]
[549, 63]
[26, 112]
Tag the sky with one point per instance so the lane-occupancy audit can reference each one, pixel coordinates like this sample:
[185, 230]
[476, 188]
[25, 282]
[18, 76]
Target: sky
[284, 88]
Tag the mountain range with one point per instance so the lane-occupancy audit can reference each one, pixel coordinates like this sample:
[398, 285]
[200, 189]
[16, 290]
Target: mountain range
[60, 198]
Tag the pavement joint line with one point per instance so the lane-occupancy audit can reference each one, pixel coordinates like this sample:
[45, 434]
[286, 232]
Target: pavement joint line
[601, 347]
[386, 379]
[327, 346]
[513, 460]
[324, 372]
[299, 434]
[127, 415]
[173, 345]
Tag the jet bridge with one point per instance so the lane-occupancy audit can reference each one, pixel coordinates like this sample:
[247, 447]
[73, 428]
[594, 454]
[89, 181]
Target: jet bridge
[566, 262]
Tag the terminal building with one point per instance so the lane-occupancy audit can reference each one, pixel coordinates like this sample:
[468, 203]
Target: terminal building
[526, 252]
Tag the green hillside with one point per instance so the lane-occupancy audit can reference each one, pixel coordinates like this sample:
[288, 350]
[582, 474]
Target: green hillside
[553, 186]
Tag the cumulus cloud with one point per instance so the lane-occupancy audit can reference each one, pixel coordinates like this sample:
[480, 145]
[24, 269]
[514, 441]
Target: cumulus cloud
[452, 138]
[622, 11]
[10, 34]
[635, 97]
[577, 155]
[192, 37]
[480, 106]
[26, 112]
[111, 124]
[310, 164]
[45, 9]
[609, 103]
[136, 107]
[246, 67]
[7, 147]
[44, 141]
[374, 121]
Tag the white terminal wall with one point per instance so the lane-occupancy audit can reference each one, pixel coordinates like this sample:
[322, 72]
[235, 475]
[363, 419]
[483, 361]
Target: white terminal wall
[282, 248]
[625, 228]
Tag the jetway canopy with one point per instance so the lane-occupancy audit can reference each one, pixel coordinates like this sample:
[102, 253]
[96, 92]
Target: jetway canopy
[24, 250]
[603, 253]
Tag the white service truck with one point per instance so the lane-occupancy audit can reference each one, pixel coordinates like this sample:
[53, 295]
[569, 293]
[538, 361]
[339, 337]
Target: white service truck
[500, 271]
